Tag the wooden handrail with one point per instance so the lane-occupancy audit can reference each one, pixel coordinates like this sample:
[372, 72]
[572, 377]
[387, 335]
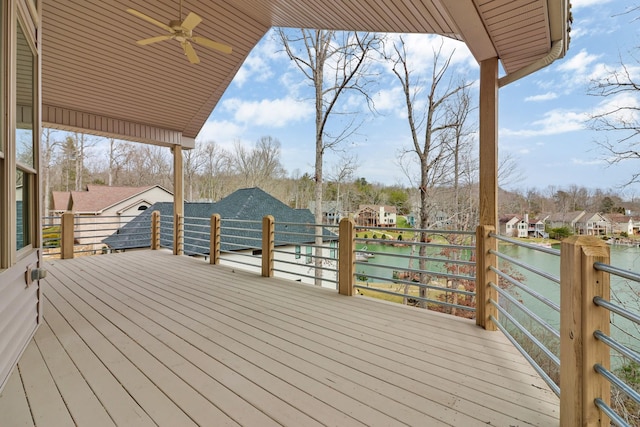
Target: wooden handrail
[580, 282]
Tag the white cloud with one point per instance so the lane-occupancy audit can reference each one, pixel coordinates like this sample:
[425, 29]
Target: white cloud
[390, 100]
[583, 162]
[421, 47]
[273, 113]
[578, 4]
[554, 122]
[542, 97]
[578, 62]
[621, 108]
[222, 132]
[259, 64]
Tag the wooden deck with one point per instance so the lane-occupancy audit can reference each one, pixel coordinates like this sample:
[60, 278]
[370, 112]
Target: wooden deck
[148, 338]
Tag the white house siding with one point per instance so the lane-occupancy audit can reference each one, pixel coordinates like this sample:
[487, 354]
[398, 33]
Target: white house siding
[287, 265]
[18, 315]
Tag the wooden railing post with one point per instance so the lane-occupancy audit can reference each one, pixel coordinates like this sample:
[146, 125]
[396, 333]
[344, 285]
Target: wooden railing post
[155, 230]
[580, 384]
[67, 235]
[268, 245]
[484, 276]
[214, 240]
[346, 256]
[178, 235]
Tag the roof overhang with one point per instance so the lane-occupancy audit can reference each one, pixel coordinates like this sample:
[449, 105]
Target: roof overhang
[95, 78]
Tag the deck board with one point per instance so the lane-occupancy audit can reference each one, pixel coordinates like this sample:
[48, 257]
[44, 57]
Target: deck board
[148, 338]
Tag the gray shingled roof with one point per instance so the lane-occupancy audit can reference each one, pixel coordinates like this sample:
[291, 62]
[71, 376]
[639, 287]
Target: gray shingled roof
[249, 204]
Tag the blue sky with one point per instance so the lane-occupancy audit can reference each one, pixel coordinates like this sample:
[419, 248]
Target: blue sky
[542, 122]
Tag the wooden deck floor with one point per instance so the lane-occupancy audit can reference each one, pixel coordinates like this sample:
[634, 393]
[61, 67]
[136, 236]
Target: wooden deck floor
[148, 338]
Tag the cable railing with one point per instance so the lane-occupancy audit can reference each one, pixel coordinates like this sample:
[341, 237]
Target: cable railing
[426, 268]
[573, 293]
[241, 243]
[520, 287]
[624, 409]
[84, 234]
[307, 253]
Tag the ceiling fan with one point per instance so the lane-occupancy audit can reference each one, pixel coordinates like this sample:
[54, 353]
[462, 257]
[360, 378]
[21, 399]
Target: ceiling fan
[181, 31]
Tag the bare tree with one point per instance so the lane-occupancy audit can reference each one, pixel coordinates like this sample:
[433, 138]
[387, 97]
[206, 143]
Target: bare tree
[194, 161]
[334, 64]
[622, 118]
[260, 165]
[215, 167]
[430, 124]
[47, 147]
[458, 109]
[509, 173]
[341, 172]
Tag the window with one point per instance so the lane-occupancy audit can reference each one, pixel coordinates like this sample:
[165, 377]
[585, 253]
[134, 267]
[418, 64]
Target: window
[25, 142]
[333, 244]
[298, 252]
[309, 258]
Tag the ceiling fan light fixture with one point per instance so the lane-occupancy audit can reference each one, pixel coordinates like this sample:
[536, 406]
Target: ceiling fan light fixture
[181, 31]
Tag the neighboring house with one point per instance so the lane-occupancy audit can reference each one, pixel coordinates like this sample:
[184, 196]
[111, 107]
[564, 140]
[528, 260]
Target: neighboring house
[509, 225]
[331, 211]
[376, 216]
[101, 209]
[535, 227]
[621, 223]
[564, 219]
[593, 224]
[521, 226]
[241, 240]
[442, 221]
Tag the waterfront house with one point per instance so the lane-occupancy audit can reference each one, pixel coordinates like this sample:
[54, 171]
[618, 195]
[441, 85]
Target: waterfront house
[593, 224]
[621, 223]
[564, 219]
[376, 216]
[512, 225]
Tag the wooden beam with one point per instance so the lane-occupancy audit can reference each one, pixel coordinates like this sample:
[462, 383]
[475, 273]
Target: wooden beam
[214, 240]
[155, 230]
[485, 293]
[67, 235]
[489, 142]
[579, 318]
[178, 196]
[268, 245]
[488, 189]
[346, 256]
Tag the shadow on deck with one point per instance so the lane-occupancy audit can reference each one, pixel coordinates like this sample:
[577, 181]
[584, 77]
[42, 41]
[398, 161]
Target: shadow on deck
[148, 338]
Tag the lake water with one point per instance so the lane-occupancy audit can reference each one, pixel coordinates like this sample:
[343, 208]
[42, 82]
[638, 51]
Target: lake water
[624, 292]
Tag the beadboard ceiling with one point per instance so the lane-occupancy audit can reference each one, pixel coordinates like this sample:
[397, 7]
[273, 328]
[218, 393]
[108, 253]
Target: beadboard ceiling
[95, 77]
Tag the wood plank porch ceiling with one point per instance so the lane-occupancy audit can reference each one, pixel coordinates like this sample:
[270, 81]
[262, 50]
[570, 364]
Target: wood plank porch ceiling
[95, 77]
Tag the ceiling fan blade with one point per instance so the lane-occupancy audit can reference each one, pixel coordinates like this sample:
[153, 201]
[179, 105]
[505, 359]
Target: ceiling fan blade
[150, 19]
[154, 39]
[191, 21]
[190, 52]
[211, 44]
